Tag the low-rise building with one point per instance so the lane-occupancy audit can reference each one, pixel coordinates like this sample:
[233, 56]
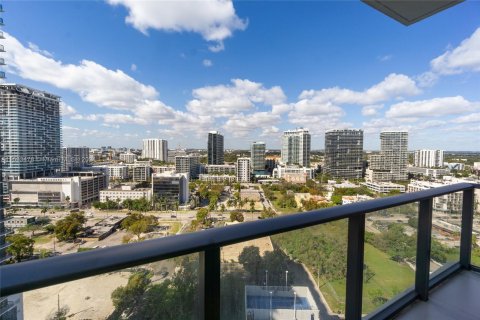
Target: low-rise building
[173, 187]
[125, 192]
[217, 178]
[384, 187]
[293, 174]
[220, 169]
[162, 169]
[141, 172]
[428, 172]
[19, 221]
[354, 199]
[71, 188]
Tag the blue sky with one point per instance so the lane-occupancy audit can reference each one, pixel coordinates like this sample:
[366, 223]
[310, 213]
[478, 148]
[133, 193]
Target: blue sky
[128, 70]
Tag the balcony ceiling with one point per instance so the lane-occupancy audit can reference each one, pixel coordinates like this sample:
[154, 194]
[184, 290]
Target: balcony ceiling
[410, 11]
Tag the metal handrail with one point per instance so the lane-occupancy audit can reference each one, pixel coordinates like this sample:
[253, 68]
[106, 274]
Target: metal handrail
[36, 274]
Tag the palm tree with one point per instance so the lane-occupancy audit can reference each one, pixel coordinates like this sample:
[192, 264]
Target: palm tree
[67, 199]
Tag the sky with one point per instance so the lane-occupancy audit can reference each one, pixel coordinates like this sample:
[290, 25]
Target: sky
[131, 69]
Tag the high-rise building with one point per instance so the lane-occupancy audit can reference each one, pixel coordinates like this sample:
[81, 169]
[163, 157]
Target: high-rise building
[172, 187]
[187, 164]
[391, 163]
[243, 169]
[75, 158]
[296, 147]
[156, 149]
[344, 154]
[215, 148]
[30, 132]
[428, 158]
[257, 155]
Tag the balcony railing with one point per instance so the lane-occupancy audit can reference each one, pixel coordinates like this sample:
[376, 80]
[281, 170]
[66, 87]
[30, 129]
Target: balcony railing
[31, 275]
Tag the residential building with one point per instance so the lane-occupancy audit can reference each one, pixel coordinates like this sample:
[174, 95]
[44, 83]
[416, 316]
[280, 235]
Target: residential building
[125, 192]
[428, 158]
[128, 157]
[428, 172]
[217, 178]
[173, 187]
[141, 172]
[296, 147]
[175, 153]
[459, 166]
[162, 169]
[230, 169]
[294, 174]
[391, 163]
[70, 188]
[450, 203]
[215, 148]
[188, 164]
[384, 187]
[257, 156]
[118, 172]
[29, 131]
[243, 169]
[74, 158]
[156, 149]
[344, 154]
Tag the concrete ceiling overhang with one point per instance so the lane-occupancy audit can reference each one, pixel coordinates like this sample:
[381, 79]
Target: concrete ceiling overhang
[410, 11]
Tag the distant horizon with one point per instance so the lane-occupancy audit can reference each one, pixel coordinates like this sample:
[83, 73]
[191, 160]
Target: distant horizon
[336, 65]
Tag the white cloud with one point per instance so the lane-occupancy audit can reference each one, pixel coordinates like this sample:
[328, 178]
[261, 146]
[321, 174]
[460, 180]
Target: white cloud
[93, 82]
[35, 48]
[207, 63]
[465, 57]
[133, 67]
[371, 110]
[242, 125]
[430, 108]
[385, 58]
[473, 117]
[394, 86]
[229, 100]
[67, 110]
[215, 20]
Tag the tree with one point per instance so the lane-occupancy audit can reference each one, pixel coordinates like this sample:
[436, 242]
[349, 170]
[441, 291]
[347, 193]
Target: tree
[67, 199]
[16, 201]
[44, 210]
[252, 206]
[236, 216]
[68, 227]
[21, 247]
[31, 228]
[138, 223]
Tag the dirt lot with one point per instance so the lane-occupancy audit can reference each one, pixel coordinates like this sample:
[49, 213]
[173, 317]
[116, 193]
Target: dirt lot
[232, 252]
[86, 298]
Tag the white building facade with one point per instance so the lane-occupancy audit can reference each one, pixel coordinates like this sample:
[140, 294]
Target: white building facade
[243, 169]
[296, 147]
[156, 149]
[428, 158]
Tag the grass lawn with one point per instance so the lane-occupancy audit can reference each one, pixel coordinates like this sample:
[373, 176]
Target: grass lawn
[277, 206]
[42, 239]
[390, 279]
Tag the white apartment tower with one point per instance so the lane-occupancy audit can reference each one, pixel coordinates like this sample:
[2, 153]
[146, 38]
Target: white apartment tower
[391, 163]
[428, 158]
[243, 169]
[29, 132]
[296, 147]
[257, 156]
[156, 149]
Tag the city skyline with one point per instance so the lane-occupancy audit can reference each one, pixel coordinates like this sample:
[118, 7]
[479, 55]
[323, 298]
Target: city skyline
[422, 78]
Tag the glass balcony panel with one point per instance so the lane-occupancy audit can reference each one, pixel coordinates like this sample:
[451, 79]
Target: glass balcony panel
[161, 290]
[446, 230]
[476, 230]
[390, 254]
[293, 275]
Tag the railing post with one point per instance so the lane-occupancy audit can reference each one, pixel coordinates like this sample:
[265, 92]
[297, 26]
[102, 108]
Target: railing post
[209, 284]
[466, 236]
[355, 253]
[424, 239]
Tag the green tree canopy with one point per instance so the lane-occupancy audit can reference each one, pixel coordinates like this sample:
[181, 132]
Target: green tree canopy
[21, 247]
[69, 227]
